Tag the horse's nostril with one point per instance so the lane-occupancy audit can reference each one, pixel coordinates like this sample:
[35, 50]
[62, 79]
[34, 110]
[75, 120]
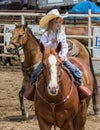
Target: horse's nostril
[53, 91]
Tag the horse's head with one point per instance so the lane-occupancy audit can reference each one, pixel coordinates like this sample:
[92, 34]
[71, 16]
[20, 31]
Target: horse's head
[52, 69]
[18, 39]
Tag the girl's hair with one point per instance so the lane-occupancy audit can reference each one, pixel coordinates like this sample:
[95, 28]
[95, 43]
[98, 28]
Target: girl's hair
[50, 26]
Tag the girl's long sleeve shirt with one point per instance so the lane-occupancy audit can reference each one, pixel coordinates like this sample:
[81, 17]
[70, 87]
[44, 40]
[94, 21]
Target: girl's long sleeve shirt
[60, 37]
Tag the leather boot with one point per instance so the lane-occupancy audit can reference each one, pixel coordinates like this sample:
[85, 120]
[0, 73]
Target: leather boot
[84, 92]
[30, 92]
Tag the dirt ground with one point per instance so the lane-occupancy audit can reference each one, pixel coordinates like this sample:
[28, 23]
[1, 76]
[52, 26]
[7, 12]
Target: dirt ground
[10, 115]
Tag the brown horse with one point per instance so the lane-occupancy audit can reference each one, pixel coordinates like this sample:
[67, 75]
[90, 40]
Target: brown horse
[56, 99]
[23, 36]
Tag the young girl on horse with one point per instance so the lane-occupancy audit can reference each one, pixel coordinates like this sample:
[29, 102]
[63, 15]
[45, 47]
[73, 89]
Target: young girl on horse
[53, 35]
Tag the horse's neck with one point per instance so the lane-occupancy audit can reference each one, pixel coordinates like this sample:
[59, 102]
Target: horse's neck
[31, 44]
[32, 52]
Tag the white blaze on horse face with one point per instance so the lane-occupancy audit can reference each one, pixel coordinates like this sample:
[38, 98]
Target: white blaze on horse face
[53, 86]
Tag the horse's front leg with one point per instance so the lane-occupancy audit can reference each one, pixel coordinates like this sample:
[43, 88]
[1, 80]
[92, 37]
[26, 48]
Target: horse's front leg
[22, 108]
[42, 124]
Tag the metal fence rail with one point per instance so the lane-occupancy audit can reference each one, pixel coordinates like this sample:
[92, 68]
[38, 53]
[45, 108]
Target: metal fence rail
[89, 16]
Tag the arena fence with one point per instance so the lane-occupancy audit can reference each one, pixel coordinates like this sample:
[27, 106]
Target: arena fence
[89, 17]
[23, 16]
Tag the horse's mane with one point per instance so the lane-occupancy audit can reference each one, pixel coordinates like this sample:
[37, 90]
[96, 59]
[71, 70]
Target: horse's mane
[30, 31]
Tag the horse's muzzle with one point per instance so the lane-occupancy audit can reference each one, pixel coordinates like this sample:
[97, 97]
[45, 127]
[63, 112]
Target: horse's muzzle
[11, 50]
[10, 47]
[53, 91]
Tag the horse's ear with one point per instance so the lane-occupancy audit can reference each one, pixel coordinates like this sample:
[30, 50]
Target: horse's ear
[26, 24]
[42, 48]
[58, 49]
[16, 24]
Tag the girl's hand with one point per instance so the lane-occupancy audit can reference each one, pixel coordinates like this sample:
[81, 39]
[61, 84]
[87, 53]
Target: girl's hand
[63, 59]
[53, 40]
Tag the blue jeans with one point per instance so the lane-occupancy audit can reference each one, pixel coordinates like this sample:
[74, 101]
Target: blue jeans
[35, 73]
[75, 71]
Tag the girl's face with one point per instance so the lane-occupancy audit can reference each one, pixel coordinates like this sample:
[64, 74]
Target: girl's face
[57, 23]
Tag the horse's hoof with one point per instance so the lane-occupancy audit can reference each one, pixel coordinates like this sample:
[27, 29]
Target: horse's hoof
[97, 112]
[34, 118]
[23, 113]
[27, 115]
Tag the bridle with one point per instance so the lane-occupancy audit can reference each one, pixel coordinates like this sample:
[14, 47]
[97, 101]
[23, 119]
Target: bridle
[16, 49]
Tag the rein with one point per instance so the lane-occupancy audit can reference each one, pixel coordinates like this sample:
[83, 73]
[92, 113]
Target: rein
[53, 105]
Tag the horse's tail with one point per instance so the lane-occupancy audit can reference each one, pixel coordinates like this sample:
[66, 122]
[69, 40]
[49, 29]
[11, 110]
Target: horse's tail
[95, 85]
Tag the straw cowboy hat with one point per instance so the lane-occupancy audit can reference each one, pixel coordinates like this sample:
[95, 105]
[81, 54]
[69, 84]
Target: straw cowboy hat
[54, 13]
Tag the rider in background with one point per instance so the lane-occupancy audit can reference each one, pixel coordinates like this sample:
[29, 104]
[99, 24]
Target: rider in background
[53, 35]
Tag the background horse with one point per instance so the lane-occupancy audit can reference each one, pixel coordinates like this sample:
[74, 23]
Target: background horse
[23, 36]
[56, 99]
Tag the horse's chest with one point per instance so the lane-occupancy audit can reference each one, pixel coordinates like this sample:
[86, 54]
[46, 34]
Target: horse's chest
[52, 113]
[60, 116]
